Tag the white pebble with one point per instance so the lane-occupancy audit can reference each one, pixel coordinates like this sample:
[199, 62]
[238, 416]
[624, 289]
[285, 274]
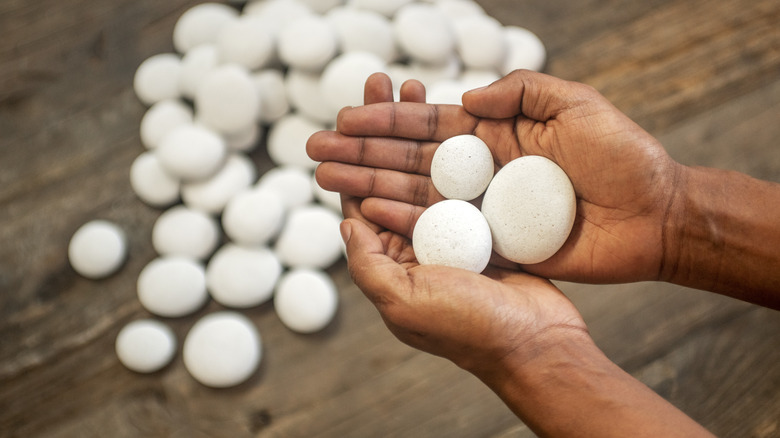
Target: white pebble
[475, 78]
[191, 152]
[530, 206]
[271, 91]
[145, 345]
[524, 50]
[460, 8]
[462, 167]
[322, 6]
[452, 233]
[227, 99]
[303, 90]
[211, 195]
[307, 43]
[480, 41]
[448, 92]
[343, 80]
[185, 232]
[424, 33]
[152, 183]
[242, 277]
[291, 182]
[161, 118]
[254, 216]
[287, 140]
[245, 140]
[157, 78]
[195, 65]
[428, 74]
[387, 8]
[310, 238]
[222, 349]
[172, 286]
[306, 300]
[277, 13]
[364, 31]
[97, 249]
[247, 42]
[201, 24]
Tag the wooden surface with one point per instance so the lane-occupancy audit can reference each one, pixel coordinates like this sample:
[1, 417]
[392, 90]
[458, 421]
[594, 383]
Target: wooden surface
[702, 76]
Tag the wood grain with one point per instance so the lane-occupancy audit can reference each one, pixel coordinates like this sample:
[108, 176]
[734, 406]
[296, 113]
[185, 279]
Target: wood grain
[701, 76]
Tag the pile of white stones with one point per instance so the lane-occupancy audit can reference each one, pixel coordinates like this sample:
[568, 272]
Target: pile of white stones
[279, 70]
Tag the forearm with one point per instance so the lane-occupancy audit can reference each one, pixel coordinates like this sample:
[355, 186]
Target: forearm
[570, 389]
[723, 235]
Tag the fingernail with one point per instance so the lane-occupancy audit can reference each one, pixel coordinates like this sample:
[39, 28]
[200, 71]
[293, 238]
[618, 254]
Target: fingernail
[346, 231]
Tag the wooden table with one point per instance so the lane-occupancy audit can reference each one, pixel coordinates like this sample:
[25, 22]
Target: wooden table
[702, 76]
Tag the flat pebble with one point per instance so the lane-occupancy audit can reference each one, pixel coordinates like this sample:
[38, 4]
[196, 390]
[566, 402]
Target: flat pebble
[212, 194]
[145, 345]
[425, 33]
[152, 183]
[214, 362]
[310, 238]
[344, 78]
[195, 65]
[157, 78]
[172, 286]
[247, 42]
[242, 277]
[364, 31]
[291, 182]
[192, 152]
[227, 100]
[306, 300]
[182, 231]
[460, 8]
[201, 24]
[480, 41]
[271, 91]
[462, 167]
[307, 43]
[161, 118]
[278, 13]
[387, 8]
[305, 95]
[524, 50]
[254, 216]
[287, 140]
[97, 249]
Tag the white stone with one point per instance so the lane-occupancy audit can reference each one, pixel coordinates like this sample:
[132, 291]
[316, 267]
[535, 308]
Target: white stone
[428, 74]
[448, 92]
[227, 99]
[475, 78]
[196, 65]
[530, 206]
[306, 300]
[247, 42]
[191, 152]
[364, 31]
[201, 24]
[305, 96]
[97, 249]
[524, 50]
[291, 182]
[287, 140]
[271, 91]
[211, 195]
[222, 349]
[172, 286]
[310, 238]
[254, 216]
[182, 231]
[462, 167]
[242, 277]
[161, 118]
[157, 78]
[480, 41]
[387, 8]
[460, 8]
[425, 33]
[245, 140]
[307, 43]
[322, 6]
[152, 183]
[343, 80]
[452, 233]
[145, 345]
[278, 13]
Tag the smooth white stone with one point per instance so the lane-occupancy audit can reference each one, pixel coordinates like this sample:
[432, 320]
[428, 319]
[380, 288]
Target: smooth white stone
[97, 249]
[530, 206]
[152, 183]
[448, 92]
[364, 31]
[452, 233]
[191, 152]
[227, 99]
[145, 345]
[306, 300]
[343, 80]
[307, 43]
[310, 238]
[246, 42]
[424, 33]
[462, 167]
[273, 97]
[459, 8]
[254, 216]
[287, 140]
[481, 43]
[428, 74]
[222, 349]
[157, 78]
[161, 118]
[211, 195]
[322, 6]
[201, 24]
[182, 231]
[242, 277]
[388, 8]
[278, 13]
[474, 78]
[172, 286]
[245, 140]
[196, 65]
[524, 50]
[291, 182]
[303, 90]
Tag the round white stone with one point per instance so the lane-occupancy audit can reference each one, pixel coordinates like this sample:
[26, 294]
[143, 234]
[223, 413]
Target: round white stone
[322, 6]
[460, 8]
[222, 349]
[157, 78]
[306, 300]
[161, 118]
[452, 233]
[182, 231]
[344, 78]
[425, 33]
[480, 41]
[191, 152]
[97, 249]
[145, 345]
[277, 13]
[287, 140]
[195, 65]
[172, 286]
[247, 42]
[310, 238]
[462, 167]
[447, 92]
[524, 50]
[201, 24]
[291, 182]
[227, 99]
[305, 95]
[211, 195]
[530, 206]
[151, 182]
[307, 43]
[242, 277]
[273, 97]
[387, 8]
[254, 216]
[364, 31]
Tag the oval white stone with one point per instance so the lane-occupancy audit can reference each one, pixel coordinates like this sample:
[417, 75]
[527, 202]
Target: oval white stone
[291, 182]
[524, 50]
[97, 249]
[425, 33]
[307, 43]
[211, 195]
[254, 216]
[242, 276]
[161, 118]
[145, 345]
[364, 31]
[196, 65]
[306, 300]
[305, 95]
[287, 140]
[227, 99]
[172, 286]
[191, 152]
[201, 24]
[480, 41]
[185, 232]
[247, 42]
[462, 167]
[344, 78]
[530, 206]
[157, 78]
[271, 91]
[151, 182]
[310, 238]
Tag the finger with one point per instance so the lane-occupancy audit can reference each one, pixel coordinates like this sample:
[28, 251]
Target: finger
[378, 88]
[383, 152]
[398, 217]
[365, 182]
[351, 209]
[411, 120]
[413, 91]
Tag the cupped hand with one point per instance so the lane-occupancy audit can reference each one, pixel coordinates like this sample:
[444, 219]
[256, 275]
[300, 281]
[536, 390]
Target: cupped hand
[623, 178]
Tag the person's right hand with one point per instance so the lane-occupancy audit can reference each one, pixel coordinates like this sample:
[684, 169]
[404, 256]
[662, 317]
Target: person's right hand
[623, 178]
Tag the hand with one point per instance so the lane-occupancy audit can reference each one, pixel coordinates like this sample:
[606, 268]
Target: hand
[622, 176]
